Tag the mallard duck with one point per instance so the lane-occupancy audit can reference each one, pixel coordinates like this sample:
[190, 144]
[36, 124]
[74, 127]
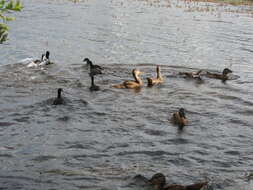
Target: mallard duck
[223, 76]
[157, 80]
[179, 118]
[193, 75]
[58, 100]
[137, 83]
[94, 69]
[93, 87]
[158, 181]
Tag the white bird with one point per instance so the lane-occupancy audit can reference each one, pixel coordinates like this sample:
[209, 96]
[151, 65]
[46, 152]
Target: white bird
[38, 63]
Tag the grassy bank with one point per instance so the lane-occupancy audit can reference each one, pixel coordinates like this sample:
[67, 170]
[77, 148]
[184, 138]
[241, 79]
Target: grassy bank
[230, 2]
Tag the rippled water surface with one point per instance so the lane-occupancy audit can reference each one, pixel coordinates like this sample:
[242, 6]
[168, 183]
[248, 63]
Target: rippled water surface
[101, 140]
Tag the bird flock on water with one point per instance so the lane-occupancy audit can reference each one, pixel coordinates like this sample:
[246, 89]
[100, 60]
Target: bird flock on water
[178, 118]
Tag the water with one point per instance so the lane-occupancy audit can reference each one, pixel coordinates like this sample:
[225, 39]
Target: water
[101, 140]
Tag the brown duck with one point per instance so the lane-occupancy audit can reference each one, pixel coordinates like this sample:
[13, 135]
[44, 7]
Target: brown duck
[223, 76]
[179, 118]
[136, 83]
[157, 80]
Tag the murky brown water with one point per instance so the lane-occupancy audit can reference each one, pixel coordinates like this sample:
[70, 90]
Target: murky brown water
[100, 140]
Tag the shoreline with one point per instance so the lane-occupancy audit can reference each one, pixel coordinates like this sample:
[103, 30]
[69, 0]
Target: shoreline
[226, 2]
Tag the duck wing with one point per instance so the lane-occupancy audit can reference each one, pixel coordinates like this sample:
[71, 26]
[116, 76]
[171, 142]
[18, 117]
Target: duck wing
[196, 186]
[174, 187]
[42, 63]
[33, 64]
[58, 101]
[131, 84]
[95, 71]
[98, 67]
[213, 75]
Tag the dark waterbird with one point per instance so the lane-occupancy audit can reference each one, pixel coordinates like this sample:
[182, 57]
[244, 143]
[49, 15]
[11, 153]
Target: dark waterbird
[48, 62]
[44, 57]
[47, 55]
[59, 100]
[94, 69]
[158, 181]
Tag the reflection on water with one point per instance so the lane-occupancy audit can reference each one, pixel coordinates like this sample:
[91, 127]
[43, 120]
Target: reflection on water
[100, 140]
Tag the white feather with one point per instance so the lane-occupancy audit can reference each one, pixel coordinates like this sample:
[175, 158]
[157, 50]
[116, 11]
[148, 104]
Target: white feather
[32, 64]
[45, 62]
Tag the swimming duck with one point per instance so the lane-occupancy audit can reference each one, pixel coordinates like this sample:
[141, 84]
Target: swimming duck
[223, 76]
[137, 83]
[93, 87]
[158, 181]
[94, 69]
[37, 62]
[43, 61]
[193, 75]
[157, 80]
[59, 100]
[179, 118]
[47, 57]
[196, 186]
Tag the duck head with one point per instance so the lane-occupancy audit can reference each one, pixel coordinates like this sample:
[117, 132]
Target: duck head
[88, 61]
[182, 113]
[59, 92]
[226, 71]
[158, 180]
[47, 54]
[136, 72]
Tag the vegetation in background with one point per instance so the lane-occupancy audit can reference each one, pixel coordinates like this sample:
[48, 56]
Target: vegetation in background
[238, 2]
[231, 2]
[5, 8]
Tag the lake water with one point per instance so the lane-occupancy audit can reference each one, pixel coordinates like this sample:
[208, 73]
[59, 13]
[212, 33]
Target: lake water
[101, 140]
